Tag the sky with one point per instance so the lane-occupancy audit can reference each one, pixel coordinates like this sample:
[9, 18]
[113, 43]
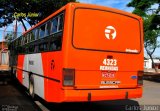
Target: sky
[119, 4]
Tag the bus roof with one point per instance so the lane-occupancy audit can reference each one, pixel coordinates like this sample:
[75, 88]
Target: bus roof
[92, 6]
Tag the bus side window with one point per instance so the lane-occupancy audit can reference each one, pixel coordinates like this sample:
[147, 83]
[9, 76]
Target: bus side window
[16, 42]
[25, 39]
[60, 22]
[52, 46]
[19, 41]
[26, 49]
[43, 47]
[36, 49]
[42, 31]
[48, 28]
[54, 25]
[31, 48]
[22, 40]
[28, 38]
[20, 49]
[40, 47]
[56, 45]
[32, 36]
[37, 33]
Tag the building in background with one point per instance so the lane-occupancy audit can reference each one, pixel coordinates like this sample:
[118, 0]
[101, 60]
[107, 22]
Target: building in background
[148, 65]
[4, 56]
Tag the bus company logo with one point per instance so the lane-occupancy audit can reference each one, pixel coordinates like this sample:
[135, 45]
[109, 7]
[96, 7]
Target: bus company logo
[52, 64]
[110, 32]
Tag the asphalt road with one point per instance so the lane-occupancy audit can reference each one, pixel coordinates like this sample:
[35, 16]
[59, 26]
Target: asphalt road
[150, 101]
[151, 93]
[14, 97]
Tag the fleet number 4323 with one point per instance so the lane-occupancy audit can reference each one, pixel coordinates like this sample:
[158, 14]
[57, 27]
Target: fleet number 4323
[110, 62]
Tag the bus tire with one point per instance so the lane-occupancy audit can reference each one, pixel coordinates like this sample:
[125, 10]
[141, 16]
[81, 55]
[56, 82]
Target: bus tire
[31, 86]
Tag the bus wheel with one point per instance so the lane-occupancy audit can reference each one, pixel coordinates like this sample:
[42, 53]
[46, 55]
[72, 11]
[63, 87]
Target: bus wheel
[31, 86]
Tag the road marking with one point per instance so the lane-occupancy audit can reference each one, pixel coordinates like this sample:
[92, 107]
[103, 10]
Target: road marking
[42, 107]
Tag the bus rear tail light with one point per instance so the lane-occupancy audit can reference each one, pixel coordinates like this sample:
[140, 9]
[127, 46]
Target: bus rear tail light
[68, 77]
[140, 78]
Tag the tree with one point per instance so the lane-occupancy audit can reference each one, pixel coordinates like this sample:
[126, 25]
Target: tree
[8, 38]
[20, 10]
[151, 18]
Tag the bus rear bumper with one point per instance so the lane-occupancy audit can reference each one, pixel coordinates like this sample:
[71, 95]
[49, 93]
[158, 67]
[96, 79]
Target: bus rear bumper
[99, 95]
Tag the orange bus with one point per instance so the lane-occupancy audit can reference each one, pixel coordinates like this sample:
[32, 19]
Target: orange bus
[82, 52]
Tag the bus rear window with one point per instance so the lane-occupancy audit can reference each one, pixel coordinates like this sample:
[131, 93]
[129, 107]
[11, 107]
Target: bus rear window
[106, 31]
